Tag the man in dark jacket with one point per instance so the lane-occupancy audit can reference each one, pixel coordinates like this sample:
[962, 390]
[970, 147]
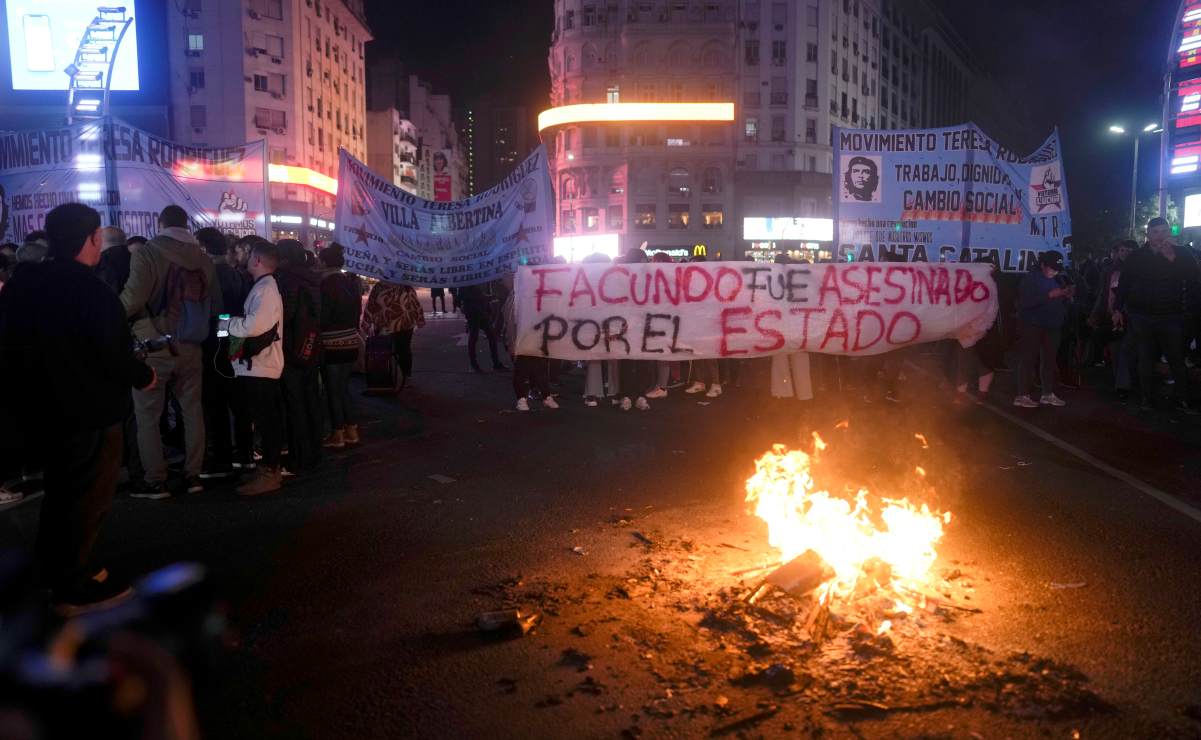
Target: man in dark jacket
[219, 394]
[63, 326]
[1153, 291]
[113, 268]
[300, 379]
[1042, 309]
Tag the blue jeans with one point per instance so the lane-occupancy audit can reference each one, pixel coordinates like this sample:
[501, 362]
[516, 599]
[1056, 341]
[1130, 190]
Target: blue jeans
[337, 393]
[1160, 334]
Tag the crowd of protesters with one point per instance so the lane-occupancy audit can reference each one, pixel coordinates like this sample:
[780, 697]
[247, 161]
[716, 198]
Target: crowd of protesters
[239, 352]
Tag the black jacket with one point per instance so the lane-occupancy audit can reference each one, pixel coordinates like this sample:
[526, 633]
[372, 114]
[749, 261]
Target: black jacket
[66, 354]
[1150, 285]
[113, 268]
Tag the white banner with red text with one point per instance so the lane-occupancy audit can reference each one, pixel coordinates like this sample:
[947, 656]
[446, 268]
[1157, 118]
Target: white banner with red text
[736, 309]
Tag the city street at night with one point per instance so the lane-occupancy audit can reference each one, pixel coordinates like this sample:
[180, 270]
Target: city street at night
[353, 597]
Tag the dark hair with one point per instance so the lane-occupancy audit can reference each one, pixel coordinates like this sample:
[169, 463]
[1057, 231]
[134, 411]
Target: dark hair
[633, 256]
[1050, 259]
[250, 240]
[331, 256]
[9, 246]
[136, 240]
[1157, 221]
[291, 252]
[173, 216]
[35, 236]
[67, 228]
[1127, 243]
[267, 252]
[212, 240]
[661, 257]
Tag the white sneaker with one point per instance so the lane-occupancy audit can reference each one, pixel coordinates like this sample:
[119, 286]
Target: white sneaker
[1025, 402]
[626, 405]
[549, 402]
[696, 387]
[642, 405]
[523, 404]
[714, 391]
[657, 393]
[591, 402]
[1052, 400]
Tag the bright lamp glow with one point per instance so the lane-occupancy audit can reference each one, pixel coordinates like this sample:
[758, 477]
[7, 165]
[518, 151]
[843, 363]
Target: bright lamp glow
[788, 228]
[1192, 210]
[1116, 130]
[302, 176]
[626, 112]
[576, 248]
[1150, 127]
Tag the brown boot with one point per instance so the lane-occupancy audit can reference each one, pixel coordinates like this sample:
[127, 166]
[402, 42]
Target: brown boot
[350, 434]
[265, 480]
[335, 440]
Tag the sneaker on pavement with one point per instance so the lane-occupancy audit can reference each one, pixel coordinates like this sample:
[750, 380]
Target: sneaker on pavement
[244, 466]
[149, 491]
[641, 404]
[265, 480]
[350, 434]
[216, 470]
[523, 404]
[334, 441]
[626, 404]
[550, 402]
[591, 402]
[696, 387]
[714, 391]
[1025, 402]
[191, 484]
[90, 595]
[658, 392]
[1050, 399]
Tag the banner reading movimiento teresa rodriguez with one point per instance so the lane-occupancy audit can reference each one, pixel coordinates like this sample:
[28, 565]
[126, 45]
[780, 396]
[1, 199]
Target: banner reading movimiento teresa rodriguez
[393, 235]
[129, 176]
[948, 194]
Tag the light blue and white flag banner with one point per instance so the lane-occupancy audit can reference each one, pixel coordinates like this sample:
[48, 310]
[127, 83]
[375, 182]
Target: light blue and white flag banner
[947, 195]
[393, 235]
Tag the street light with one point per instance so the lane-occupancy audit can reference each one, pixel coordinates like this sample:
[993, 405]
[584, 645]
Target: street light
[1150, 128]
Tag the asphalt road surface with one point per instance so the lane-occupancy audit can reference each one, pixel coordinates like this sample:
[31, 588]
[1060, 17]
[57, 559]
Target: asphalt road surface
[352, 594]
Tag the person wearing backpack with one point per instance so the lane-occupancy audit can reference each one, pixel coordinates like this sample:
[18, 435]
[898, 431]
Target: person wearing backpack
[300, 289]
[256, 350]
[172, 291]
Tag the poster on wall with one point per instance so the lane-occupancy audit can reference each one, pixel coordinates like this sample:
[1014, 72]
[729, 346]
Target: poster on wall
[947, 195]
[129, 176]
[391, 234]
[443, 182]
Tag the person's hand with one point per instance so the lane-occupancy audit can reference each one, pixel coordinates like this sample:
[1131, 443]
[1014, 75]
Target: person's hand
[1119, 321]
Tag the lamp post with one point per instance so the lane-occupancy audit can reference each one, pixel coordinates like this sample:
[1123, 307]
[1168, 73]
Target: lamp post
[1150, 128]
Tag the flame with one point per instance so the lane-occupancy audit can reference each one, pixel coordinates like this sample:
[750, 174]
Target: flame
[845, 532]
[922, 438]
[885, 626]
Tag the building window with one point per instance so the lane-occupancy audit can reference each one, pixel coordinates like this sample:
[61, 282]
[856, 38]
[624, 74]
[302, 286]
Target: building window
[613, 95]
[589, 138]
[810, 130]
[644, 216]
[591, 219]
[779, 53]
[779, 13]
[778, 128]
[260, 83]
[750, 99]
[779, 91]
[711, 216]
[811, 93]
[269, 118]
[569, 21]
[751, 131]
[589, 16]
[272, 9]
[679, 182]
[199, 116]
[275, 46]
[811, 53]
[196, 78]
[195, 42]
[677, 216]
[813, 164]
[613, 218]
[711, 181]
[752, 52]
[811, 16]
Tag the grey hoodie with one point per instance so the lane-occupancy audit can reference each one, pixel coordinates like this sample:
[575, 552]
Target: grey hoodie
[147, 279]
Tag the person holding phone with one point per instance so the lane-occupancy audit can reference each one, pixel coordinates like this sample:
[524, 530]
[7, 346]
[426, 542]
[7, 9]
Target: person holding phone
[1043, 299]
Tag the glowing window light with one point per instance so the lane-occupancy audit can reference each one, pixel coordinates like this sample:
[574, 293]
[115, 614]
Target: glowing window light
[302, 176]
[626, 112]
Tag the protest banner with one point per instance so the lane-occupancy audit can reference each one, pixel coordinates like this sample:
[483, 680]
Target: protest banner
[735, 309]
[947, 195]
[129, 176]
[393, 235]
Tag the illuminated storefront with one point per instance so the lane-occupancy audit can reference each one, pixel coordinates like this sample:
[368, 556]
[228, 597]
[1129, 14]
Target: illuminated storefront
[808, 239]
[1180, 165]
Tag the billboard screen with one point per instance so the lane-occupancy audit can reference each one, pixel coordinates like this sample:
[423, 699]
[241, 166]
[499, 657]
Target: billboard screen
[44, 36]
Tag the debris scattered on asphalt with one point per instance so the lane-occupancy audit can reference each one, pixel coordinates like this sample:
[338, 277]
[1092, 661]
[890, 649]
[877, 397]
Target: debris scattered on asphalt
[802, 574]
[643, 539]
[579, 550]
[506, 622]
[1059, 586]
[573, 658]
[922, 439]
[439, 478]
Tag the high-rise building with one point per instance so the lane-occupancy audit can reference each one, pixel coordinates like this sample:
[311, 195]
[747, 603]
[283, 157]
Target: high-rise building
[651, 159]
[392, 148]
[288, 71]
[496, 138]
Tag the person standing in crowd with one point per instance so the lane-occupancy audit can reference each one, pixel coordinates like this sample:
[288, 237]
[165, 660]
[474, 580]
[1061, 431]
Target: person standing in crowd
[1118, 343]
[256, 350]
[172, 291]
[34, 248]
[61, 325]
[219, 395]
[394, 310]
[477, 309]
[529, 373]
[135, 243]
[981, 361]
[662, 369]
[600, 376]
[300, 289]
[436, 295]
[1153, 291]
[113, 268]
[341, 303]
[1042, 309]
[636, 376]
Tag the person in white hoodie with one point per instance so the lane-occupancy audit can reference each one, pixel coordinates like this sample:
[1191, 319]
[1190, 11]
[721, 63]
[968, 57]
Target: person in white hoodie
[256, 348]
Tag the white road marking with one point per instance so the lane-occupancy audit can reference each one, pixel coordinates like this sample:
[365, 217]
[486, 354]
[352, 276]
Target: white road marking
[1162, 497]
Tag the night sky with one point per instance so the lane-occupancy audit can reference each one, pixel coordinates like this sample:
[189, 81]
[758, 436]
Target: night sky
[1073, 64]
